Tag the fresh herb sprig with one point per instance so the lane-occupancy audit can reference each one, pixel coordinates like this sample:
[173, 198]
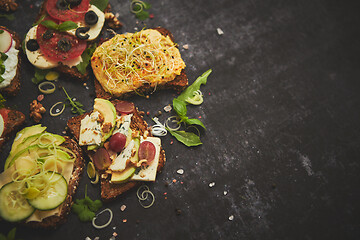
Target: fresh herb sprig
[3, 57]
[86, 57]
[62, 27]
[39, 75]
[188, 138]
[85, 208]
[76, 106]
[139, 8]
[100, 4]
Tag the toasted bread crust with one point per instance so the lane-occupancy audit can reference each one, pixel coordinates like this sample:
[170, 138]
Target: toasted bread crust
[14, 120]
[110, 191]
[14, 86]
[179, 83]
[79, 164]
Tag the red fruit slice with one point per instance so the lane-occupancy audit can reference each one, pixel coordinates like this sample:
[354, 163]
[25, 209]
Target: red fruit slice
[147, 151]
[5, 41]
[124, 107]
[117, 142]
[75, 14]
[49, 47]
[102, 159]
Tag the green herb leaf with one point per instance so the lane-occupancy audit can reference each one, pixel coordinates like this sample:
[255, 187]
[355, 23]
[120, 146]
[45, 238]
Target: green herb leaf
[76, 107]
[86, 57]
[179, 107]
[100, 4]
[85, 208]
[143, 15]
[39, 75]
[11, 234]
[189, 91]
[49, 24]
[66, 26]
[188, 138]
[3, 56]
[193, 121]
[39, 21]
[10, 17]
[1, 31]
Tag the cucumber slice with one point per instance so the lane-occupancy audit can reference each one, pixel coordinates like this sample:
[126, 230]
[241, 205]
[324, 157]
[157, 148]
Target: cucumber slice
[54, 195]
[13, 206]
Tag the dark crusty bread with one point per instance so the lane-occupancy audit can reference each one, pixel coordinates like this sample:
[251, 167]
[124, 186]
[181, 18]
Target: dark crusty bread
[110, 191]
[14, 86]
[12, 121]
[178, 84]
[79, 164]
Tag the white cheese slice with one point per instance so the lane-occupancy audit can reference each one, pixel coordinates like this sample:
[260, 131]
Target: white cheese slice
[149, 173]
[1, 125]
[10, 65]
[94, 29]
[119, 163]
[90, 130]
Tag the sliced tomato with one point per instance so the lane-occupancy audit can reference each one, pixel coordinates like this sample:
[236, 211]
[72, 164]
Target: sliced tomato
[49, 47]
[74, 14]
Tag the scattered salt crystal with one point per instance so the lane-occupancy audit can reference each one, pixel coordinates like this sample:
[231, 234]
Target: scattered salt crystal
[167, 108]
[87, 238]
[231, 218]
[180, 171]
[211, 184]
[186, 46]
[114, 228]
[96, 238]
[225, 193]
[219, 31]
[122, 208]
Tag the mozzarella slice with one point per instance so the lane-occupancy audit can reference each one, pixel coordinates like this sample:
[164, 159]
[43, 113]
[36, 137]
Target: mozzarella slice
[1, 125]
[149, 173]
[94, 29]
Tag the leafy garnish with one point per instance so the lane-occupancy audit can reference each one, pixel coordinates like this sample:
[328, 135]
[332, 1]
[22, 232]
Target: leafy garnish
[9, 236]
[76, 106]
[1, 31]
[62, 27]
[86, 57]
[138, 7]
[188, 138]
[2, 101]
[3, 57]
[39, 75]
[8, 16]
[100, 4]
[39, 21]
[85, 208]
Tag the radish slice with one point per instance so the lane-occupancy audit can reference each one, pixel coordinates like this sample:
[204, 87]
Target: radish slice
[1, 125]
[5, 41]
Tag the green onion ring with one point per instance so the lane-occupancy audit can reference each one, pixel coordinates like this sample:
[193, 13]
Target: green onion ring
[196, 99]
[60, 112]
[47, 91]
[106, 224]
[138, 192]
[134, 3]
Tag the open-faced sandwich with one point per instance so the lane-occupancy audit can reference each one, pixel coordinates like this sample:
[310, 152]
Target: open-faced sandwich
[119, 144]
[40, 177]
[138, 63]
[9, 62]
[10, 121]
[63, 35]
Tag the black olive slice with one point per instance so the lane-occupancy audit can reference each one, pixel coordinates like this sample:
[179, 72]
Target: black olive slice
[74, 3]
[64, 45]
[48, 34]
[81, 33]
[91, 18]
[32, 45]
[62, 5]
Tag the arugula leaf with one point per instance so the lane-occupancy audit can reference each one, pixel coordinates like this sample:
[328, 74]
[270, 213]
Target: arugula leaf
[39, 75]
[66, 26]
[189, 91]
[100, 4]
[188, 138]
[8, 16]
[86, 57]
[76, 107]
[85, 208]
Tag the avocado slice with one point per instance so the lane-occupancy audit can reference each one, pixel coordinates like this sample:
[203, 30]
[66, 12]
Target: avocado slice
[32, 151]
[108, 111]
[20, 136]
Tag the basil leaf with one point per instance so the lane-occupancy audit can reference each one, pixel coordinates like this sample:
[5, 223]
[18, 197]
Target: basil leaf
[193, 121]
[49, 24]
[86, 57]
[100, 4]
[65, 26]
[188, 138]
[179, 107]
[189, 91]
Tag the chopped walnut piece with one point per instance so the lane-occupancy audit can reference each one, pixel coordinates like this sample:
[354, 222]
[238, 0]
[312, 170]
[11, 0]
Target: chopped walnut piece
[112, 20]
[100, 118]
[106, 127]
[36, 111]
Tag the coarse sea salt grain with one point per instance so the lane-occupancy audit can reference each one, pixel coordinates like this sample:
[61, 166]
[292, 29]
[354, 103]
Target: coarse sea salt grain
[122, 208]
[231, 218]
[211, 184]
[219, 31]
[225, 193]
[180, 171]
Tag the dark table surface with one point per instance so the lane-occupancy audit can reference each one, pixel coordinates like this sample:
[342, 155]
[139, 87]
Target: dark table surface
[282, 115]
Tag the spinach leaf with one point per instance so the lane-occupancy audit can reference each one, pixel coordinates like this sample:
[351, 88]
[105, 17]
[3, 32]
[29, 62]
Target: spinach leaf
[188, 138]
[100, 4]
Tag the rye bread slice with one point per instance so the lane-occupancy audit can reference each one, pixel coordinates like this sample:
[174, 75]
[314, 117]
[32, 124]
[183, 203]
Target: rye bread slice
[79, 164]
[110, 191]
[12, 121]
[14, 86]
[178, 84]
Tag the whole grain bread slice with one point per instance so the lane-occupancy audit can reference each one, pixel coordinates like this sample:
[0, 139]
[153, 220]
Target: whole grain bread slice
[178, 84]
[12, 121]
[110, 191]
[79, 164]
[14, 86]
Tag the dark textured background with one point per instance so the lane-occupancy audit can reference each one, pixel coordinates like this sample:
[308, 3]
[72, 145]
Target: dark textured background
[282, 115]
